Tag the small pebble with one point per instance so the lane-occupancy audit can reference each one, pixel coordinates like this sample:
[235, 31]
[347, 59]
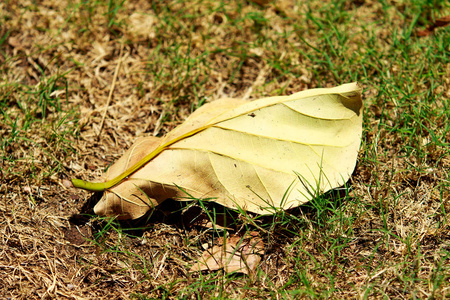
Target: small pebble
[67, 183]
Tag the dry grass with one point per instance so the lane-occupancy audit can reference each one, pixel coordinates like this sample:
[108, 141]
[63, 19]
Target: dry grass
[388, 238]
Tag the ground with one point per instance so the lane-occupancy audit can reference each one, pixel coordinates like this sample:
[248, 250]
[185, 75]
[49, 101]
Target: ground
[80, 81]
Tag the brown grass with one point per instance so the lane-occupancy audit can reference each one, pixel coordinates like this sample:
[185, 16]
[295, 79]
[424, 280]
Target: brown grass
[66, 53]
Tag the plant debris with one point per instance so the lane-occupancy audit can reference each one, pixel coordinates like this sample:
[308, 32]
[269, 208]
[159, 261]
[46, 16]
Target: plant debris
[440, 22]
[238, 253]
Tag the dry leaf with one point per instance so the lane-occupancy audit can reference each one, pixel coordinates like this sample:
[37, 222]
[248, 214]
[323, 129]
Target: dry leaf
[272, 153]
[441, 22]
[237, 254]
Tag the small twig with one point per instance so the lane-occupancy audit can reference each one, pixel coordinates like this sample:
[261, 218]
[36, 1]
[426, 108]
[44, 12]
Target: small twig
[116, 72]
[158, 123]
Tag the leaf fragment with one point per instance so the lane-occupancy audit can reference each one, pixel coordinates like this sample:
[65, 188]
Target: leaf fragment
[237, 254]
[440, 22]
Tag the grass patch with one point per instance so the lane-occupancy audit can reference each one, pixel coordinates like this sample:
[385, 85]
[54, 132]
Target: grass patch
[383, 235]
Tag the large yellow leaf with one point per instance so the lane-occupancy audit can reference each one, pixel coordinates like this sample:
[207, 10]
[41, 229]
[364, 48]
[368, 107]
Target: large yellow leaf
[270, 153]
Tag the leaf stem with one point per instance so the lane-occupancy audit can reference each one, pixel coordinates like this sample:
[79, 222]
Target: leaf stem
[102, 186]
